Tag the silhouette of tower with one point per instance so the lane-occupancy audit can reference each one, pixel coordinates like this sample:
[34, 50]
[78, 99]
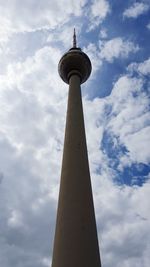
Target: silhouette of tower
[76, 242]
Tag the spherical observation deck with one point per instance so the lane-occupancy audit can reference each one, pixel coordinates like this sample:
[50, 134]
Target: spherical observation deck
[74, 62]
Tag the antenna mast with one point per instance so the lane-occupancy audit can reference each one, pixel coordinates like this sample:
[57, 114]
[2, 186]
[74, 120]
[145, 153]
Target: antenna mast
[74, 39]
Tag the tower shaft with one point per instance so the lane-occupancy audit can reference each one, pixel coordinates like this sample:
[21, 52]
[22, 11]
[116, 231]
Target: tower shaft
[76, 242]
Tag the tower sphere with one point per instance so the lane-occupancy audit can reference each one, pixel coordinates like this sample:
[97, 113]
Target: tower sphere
[74, 62]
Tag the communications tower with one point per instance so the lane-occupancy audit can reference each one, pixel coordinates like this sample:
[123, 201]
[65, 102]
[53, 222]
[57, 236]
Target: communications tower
[76, 241]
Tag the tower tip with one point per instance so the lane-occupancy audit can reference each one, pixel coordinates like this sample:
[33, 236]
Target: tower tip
[74, 39]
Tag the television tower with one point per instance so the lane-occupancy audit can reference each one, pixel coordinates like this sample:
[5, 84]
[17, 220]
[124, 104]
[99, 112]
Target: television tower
[75, 242]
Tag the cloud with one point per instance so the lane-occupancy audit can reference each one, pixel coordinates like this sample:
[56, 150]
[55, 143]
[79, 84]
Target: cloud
[142, 68]
[130, 120]
[125, 225]
[32, 127]
[93, 53]
[136, 10]
[64, 35]
[20, 223]
[41, 15]
[115, 48]
[1, 177]
[103, 33]
[148, 26]
[33, 103]
[98, 12]
[138, 142]
[109, 50]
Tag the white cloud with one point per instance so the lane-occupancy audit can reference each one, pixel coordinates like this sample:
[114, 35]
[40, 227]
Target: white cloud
[131, 117]
[29, 106]
[93, 53]
[148, 26]
[65, 34]
[99, 11]
[28, 16]
[123, 89]
[116, 47]
[94, 119]
[31, 150]
[109, 50]
[136, 10]
[141, 68]
[15, 219]
[103, 33]
[20, 226]
[137, 143]
[126, 217]
[126, 220]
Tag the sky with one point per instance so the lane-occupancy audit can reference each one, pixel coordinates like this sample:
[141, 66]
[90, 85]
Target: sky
[33, 101]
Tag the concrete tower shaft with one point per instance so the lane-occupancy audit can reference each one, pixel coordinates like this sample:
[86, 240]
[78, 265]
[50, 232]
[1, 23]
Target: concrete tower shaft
[75, 242]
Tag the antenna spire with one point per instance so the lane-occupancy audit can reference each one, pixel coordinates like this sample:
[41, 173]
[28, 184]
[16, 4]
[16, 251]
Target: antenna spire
[74, 39]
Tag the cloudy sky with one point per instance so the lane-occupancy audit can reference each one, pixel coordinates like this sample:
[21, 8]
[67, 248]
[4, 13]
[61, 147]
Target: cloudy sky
[33, 101]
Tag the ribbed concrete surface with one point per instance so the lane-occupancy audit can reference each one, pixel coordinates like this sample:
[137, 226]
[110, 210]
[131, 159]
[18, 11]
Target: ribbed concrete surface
[75, 243]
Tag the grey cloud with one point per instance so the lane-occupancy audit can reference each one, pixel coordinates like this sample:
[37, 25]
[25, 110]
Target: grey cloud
[1, 177]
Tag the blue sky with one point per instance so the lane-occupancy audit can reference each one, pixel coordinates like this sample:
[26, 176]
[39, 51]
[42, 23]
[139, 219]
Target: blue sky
[33, 99]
